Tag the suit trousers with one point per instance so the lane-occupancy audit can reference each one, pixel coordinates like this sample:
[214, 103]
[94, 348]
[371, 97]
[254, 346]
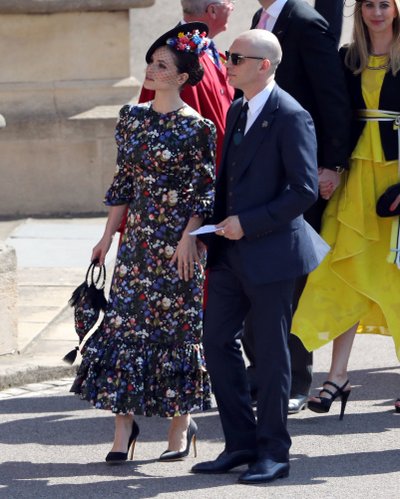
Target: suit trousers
[301, 359]
[231, 296]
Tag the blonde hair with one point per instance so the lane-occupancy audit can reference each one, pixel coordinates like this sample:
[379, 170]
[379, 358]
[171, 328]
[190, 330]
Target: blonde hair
[359, 50]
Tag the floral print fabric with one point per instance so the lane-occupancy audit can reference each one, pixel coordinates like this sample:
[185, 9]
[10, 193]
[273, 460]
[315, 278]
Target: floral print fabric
[146, 357]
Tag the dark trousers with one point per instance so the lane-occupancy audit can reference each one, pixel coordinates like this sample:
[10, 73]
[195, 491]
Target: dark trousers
[332, 10]
[230, 298]
[301, 359]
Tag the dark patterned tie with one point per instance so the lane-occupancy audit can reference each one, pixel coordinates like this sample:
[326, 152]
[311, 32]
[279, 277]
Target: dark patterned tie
[238, 134]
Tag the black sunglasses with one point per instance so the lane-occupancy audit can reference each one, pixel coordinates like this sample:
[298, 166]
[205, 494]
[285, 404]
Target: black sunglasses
[237, 58]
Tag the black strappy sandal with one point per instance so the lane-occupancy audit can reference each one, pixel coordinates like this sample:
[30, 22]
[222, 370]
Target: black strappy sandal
[325, 402]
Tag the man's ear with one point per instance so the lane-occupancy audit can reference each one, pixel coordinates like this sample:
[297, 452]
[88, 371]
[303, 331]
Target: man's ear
[211, 11]
[266, 65]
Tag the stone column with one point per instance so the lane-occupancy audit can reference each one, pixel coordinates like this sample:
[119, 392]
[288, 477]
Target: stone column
[64, 75]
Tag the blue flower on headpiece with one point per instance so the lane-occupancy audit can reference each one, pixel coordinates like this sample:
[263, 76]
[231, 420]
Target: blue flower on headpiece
[193, 42]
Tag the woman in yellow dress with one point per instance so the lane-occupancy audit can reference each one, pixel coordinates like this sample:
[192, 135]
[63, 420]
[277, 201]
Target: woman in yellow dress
[356, 288]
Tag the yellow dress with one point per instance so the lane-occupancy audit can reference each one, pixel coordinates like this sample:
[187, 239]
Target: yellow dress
[355, 282]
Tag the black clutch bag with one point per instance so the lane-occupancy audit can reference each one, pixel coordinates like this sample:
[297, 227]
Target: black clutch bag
[87, 300]
[387, 198]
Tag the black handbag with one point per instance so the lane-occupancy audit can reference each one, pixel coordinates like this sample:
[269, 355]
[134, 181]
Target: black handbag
[87, 300]
[386, 199]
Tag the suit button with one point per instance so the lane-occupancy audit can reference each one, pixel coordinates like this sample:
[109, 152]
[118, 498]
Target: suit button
[231, 179]
[230, 194]
[234, 163]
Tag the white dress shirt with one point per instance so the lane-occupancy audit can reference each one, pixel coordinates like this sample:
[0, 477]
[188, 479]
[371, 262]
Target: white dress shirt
[256, 104]
[273, 12]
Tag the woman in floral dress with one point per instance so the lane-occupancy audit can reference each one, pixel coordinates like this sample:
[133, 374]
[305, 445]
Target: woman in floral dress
[146, 357]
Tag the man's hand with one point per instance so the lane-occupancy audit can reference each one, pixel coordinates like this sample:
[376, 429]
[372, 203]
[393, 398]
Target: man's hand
[230, 228]
[328, 181]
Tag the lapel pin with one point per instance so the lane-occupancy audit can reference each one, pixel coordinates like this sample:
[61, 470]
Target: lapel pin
[264, 124]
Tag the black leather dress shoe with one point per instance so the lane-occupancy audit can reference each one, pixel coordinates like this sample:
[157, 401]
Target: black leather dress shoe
[263, 471]
[297, 403]
[225, 462]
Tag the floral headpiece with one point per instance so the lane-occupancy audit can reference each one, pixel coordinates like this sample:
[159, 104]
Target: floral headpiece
[190, 38]
[193, 42]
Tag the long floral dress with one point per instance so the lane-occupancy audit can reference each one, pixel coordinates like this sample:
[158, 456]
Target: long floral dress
[146, 357]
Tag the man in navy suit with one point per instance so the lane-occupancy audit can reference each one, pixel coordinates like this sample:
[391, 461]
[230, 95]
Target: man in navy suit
[312, 73]
[268, 178]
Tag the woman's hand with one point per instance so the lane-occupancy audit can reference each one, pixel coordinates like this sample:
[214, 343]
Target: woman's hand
[395, 203]
[186, 257]
[114, 219]
[101, 249]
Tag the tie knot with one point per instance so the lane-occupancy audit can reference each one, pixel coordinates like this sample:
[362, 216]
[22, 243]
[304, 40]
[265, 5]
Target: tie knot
[245, 108]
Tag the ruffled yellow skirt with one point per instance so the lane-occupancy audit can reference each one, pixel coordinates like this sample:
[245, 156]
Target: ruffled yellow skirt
[355, 282]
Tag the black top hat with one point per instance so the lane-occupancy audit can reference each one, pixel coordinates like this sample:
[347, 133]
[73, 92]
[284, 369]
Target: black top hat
[193, 41]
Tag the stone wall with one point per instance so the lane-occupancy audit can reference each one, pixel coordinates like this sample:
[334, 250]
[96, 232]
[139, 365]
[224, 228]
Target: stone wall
[65, 73]
[52, 6]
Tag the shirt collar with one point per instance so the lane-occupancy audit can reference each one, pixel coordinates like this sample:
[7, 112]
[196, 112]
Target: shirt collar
[276, 8]
[257, 102]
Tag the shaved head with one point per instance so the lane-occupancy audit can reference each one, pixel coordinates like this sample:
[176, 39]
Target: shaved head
[260, 54]
[262, 43]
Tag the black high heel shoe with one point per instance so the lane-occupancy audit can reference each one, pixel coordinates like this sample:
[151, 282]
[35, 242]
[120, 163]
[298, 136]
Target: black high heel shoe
[325, 403]
[120, 457]
[397, 405]
[191, 436]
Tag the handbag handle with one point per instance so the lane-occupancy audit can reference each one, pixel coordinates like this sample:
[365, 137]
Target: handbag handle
[101, 277]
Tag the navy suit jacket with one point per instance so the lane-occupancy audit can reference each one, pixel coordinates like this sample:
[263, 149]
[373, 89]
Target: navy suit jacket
[272, 183]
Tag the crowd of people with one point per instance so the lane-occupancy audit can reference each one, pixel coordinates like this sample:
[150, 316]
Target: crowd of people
[261, 168]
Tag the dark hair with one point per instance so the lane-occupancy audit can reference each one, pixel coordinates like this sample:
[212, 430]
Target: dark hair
[189, 63]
